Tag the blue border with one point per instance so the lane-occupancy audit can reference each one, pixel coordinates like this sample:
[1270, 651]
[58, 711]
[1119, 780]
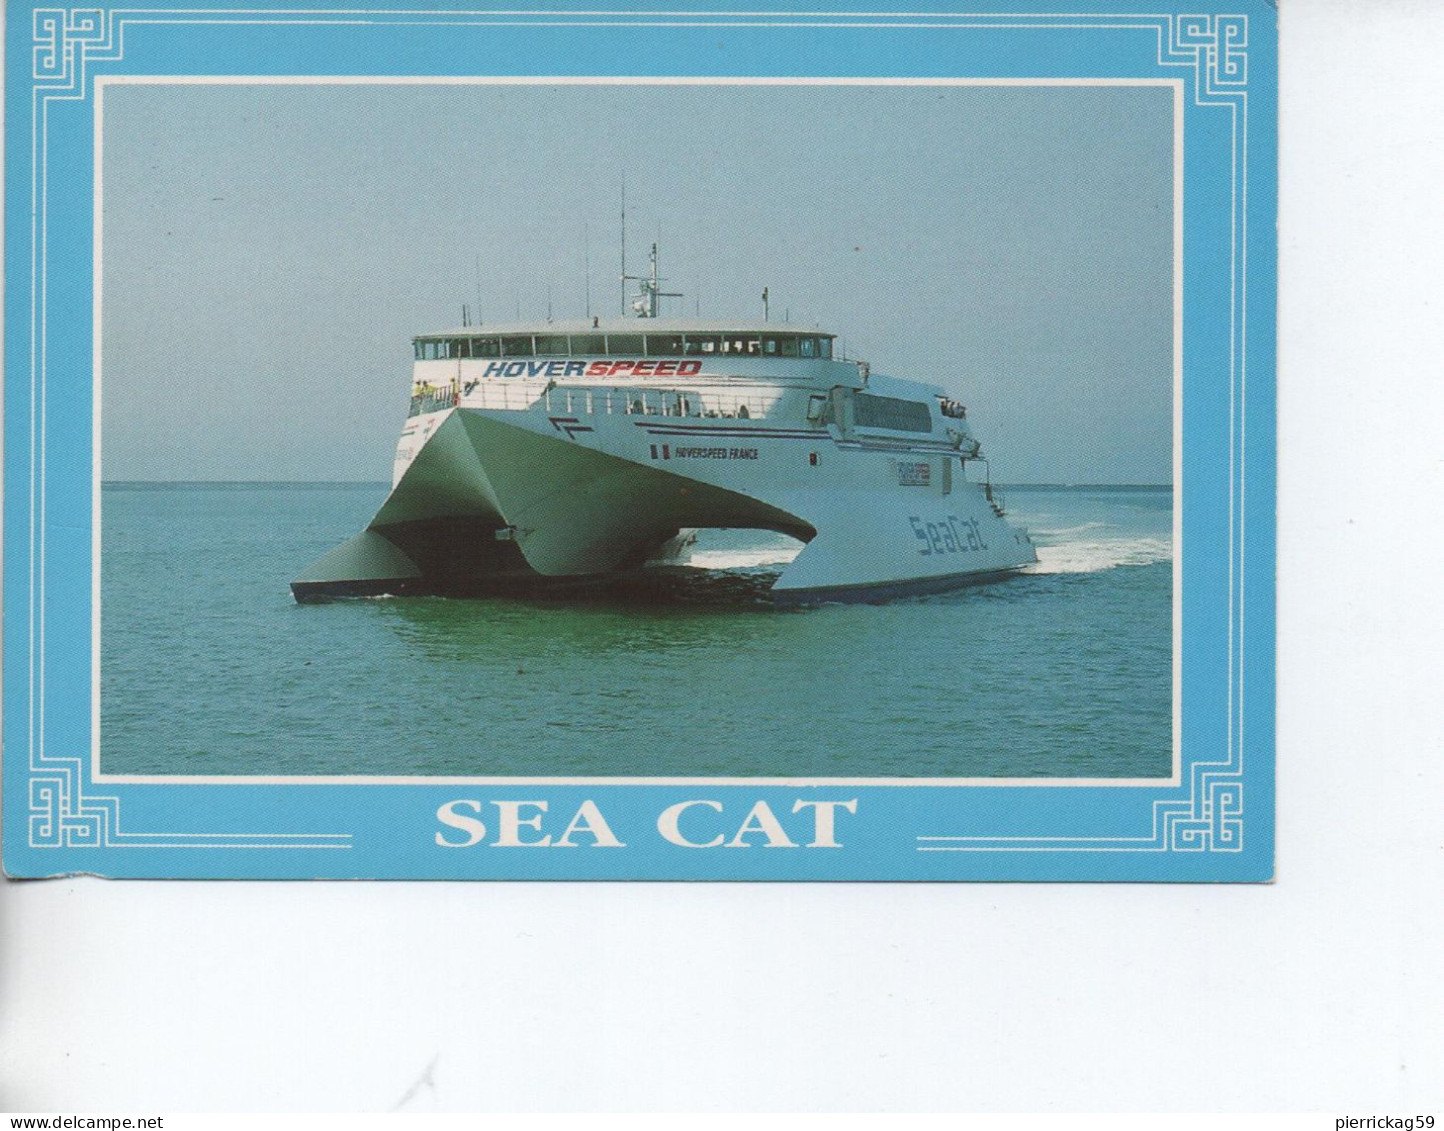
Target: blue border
[1217, 824]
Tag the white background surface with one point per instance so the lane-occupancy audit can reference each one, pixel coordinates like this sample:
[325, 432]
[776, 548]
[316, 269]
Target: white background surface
[1323, 991]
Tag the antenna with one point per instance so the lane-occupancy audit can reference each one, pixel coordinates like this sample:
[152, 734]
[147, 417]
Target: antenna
[549, 302]
[764, 304]
[478, 289]
[646, 304]
[624, 242]
[587, 261]
[464, 320]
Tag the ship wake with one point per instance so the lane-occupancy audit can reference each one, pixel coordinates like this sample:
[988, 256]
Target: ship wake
[1097, 551]
[743, 559]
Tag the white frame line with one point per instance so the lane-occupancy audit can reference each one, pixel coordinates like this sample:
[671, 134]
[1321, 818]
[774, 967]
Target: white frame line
[1174, 778]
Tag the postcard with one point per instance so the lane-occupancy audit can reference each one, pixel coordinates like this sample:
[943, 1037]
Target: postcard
[640, 443]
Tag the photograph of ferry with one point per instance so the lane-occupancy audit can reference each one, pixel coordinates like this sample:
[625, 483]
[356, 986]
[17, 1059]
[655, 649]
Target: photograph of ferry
[925, 531]
[580, 450]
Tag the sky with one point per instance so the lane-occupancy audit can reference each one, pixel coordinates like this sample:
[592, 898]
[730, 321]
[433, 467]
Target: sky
[270, 250]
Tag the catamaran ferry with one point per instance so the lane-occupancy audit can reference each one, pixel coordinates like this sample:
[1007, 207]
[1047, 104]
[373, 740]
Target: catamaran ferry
[579, 450]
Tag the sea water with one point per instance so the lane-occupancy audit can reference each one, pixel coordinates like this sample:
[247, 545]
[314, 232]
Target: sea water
[209, 667]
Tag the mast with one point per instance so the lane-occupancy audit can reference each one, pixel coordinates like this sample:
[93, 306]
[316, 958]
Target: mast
[647, 304]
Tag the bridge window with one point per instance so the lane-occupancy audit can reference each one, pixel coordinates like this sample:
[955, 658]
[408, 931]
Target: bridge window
[891, 412]
[736, 343]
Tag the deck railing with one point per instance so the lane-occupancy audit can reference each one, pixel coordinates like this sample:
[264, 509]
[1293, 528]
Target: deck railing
[590, 400]
[432, 398]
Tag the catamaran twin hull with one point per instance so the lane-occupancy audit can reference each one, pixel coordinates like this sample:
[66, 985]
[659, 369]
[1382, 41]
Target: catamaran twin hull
[558, 483]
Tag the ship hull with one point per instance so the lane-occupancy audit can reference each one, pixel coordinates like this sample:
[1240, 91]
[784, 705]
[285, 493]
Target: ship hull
[488, 500]
[873, 593]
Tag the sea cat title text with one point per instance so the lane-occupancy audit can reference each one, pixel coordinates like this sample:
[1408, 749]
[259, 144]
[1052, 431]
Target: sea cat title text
[697, 823]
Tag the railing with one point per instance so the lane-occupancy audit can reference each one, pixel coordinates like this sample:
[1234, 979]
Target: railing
[993, 494]
[592, 401]
[432, 398]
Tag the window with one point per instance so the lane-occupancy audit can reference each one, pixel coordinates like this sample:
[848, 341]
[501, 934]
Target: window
[809, 347]
[485, 347]
[516, 347]
[769, 346]
[825, 347]
[700, 343]
[589, 343]
[551, 345]
[624, 344]
[460, 347]
[658, 345]
[891, 412]
[419, 348]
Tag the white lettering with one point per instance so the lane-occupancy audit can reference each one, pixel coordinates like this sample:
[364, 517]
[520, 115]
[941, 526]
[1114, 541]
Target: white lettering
[767, 824]
[589, 820]
[667, 824]
[824, 820]
[473, 828]
[510, 823]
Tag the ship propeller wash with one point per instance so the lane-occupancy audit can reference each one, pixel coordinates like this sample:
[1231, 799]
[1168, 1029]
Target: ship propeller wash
[578, 450]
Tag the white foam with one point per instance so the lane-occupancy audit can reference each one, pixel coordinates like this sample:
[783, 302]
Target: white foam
[1064, 531]
[1093, 555]
[743, 559]
[1084, 547]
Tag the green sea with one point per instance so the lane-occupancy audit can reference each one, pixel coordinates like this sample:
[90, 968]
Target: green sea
[209, 667]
